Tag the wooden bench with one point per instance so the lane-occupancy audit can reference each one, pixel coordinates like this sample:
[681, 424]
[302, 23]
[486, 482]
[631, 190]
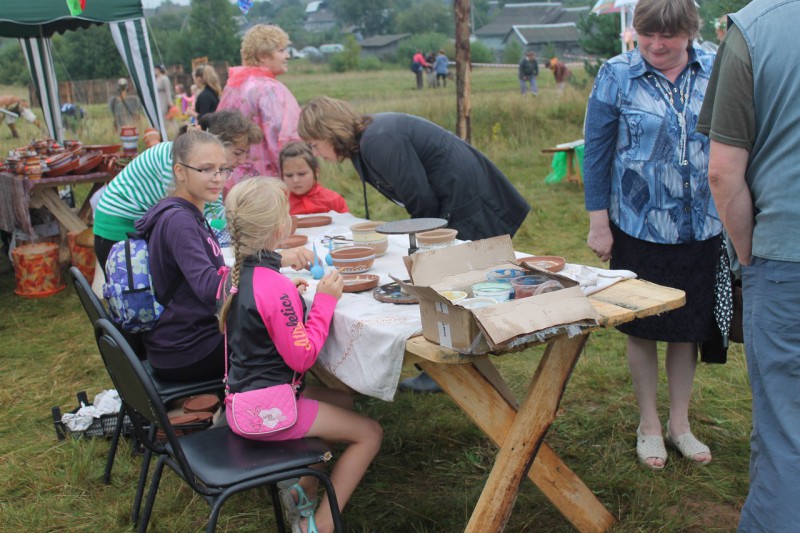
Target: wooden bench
[569, 148]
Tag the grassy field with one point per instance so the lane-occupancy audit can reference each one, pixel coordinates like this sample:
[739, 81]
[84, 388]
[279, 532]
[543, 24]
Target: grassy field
[434, 462]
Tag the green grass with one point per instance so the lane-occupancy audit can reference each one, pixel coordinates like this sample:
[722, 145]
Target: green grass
[434, 462]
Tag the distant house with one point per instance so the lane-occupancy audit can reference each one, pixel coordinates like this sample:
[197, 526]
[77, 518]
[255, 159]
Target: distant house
[496, 34]
[384, 47]
[319, 17]
[539, 37]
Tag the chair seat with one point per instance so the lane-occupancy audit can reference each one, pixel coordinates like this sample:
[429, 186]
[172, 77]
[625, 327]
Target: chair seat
[220, 458]
[171, 390]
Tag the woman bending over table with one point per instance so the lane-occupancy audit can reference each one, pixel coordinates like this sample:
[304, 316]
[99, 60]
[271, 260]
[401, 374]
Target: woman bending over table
[270, 343]
[148, 178]
[650, 209]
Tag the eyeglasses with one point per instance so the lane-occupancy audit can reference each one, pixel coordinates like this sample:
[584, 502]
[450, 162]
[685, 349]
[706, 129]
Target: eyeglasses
[224, 173]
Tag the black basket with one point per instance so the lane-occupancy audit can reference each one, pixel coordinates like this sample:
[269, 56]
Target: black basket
[101, 427]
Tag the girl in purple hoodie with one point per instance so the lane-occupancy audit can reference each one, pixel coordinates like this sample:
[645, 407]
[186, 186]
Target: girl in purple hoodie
[185, 344]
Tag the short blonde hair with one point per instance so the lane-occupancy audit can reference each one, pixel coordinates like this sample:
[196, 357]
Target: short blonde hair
[261, 40]
[335, 121]
[257, 211]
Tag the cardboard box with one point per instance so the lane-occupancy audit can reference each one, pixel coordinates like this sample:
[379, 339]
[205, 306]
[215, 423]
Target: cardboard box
[489, 329]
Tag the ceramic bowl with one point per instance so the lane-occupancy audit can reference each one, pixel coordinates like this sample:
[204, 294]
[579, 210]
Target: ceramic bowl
[437, 238]
[353, 259]
[293, 241]
[359, 282]
[202, 403]
[552, 263]
[364, 234]
[497, 290]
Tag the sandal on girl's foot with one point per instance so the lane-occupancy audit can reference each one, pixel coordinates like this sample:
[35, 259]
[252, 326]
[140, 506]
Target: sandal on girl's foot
[294, 509]
[650, 447]
[689, 447]
[311, 525]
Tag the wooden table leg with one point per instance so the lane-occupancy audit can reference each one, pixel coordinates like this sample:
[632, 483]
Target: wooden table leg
[519, 435]
[49, 198]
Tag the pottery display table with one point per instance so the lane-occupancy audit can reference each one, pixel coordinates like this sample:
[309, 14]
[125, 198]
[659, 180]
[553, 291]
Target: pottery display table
[369, 342]
[19, 193]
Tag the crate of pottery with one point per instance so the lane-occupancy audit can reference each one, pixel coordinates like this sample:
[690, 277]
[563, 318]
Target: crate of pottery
[91, 419]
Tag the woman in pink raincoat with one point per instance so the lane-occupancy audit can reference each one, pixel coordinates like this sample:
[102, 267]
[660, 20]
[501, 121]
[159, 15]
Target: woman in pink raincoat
[255, 90]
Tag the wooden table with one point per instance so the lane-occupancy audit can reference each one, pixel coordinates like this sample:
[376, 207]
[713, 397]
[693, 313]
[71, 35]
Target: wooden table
[519, 429]
[569, 148]
[21, 193]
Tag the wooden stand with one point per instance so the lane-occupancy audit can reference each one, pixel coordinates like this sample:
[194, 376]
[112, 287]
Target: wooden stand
[569, 148]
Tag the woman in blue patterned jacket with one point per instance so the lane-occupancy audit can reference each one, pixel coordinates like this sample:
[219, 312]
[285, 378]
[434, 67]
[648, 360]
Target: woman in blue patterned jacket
[650, 208]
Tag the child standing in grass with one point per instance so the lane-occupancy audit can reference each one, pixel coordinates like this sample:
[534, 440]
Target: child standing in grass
[300, 172]
[269, 342]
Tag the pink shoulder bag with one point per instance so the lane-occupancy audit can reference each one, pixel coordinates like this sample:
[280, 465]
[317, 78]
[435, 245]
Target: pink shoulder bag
[259, 411]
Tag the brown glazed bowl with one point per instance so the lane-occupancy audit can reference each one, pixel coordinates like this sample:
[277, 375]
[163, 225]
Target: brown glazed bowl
[353, 259]
[203, 403]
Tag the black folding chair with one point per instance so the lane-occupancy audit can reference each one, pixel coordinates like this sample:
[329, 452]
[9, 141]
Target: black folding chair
[167, 390]
[215, 462]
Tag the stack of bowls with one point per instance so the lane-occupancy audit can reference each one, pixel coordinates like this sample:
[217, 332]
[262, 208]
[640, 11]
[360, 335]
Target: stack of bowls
[353, 259]
[364, 234]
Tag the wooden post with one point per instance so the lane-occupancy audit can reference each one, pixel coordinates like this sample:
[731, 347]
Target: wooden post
[463, 70]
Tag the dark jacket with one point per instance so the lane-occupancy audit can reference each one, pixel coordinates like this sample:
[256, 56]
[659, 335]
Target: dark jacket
[207, 102]
[433, 173]
[528, 69]
[182, 247]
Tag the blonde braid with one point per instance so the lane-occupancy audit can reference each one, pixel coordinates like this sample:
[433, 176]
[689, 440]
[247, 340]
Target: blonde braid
[236, 272]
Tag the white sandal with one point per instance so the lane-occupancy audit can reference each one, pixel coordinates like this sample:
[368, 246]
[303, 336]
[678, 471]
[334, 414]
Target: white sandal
[688, 445]
[650, 447]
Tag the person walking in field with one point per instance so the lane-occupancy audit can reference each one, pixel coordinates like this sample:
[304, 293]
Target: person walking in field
[440, 67]
[560, 72]
[528, 71]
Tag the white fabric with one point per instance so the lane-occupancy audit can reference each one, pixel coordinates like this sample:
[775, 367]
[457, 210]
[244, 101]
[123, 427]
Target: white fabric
[593, 279]
[105, 403]
[366, 346]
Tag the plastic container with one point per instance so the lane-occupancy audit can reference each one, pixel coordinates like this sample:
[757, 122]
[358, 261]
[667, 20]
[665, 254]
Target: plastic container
[504, 274]
[477, 303]
[454, 296]
[499, 291]
[532, 285]
[37, 270]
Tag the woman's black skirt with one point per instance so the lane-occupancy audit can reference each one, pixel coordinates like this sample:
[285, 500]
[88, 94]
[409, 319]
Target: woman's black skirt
[690, 267]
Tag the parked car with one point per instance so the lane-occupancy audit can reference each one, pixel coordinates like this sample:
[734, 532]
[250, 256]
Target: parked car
[331, 48]
[294, 53]
[311, 52]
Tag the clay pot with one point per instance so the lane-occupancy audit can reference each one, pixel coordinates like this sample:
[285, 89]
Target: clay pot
[151, 137]
[359, 282]
[203, 403]
[364, 234]
[438, 238]
[353, 259]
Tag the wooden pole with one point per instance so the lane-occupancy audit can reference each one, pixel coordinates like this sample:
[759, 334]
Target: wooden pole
[463, 70]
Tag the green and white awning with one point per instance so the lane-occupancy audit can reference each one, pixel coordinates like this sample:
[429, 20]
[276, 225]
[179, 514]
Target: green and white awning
[33, 22]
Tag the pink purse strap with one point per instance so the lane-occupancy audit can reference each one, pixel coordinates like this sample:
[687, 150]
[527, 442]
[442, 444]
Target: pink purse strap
[223, 272]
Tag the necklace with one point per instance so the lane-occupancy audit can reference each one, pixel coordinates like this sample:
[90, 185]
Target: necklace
[684, 93]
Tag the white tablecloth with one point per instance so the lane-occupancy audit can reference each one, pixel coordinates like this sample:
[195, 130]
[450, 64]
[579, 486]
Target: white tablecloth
[366, 345]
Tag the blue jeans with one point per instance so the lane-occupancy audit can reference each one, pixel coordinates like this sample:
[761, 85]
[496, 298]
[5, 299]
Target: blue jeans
[532, 82]
[772, 342]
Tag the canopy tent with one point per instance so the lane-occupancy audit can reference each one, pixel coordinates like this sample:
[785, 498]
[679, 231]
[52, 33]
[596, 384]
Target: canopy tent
[34, 22]
[624, 8]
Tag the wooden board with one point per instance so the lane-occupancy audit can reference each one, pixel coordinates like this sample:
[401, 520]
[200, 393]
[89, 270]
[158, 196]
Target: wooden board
[635, 297]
